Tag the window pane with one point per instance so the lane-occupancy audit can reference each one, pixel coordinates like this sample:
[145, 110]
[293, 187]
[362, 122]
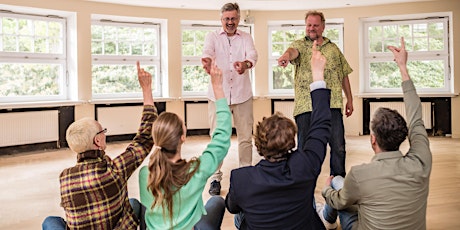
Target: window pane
[9, 25]
[375, 39]
[25, 27]
[39, 74]
[194, 79]
[425, 74]
[112, 79]
[283, 78]
[29, 79]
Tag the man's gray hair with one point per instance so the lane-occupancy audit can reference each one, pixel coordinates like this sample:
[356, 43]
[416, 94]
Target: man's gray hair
[230, 7]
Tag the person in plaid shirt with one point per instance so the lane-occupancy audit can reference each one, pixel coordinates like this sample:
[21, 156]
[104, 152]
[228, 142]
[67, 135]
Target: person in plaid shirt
[94, 192]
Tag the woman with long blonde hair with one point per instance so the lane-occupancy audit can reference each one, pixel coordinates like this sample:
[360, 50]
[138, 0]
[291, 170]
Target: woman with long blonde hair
[170, 187]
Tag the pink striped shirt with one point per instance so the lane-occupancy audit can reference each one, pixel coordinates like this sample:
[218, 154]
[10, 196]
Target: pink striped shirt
[226, 51]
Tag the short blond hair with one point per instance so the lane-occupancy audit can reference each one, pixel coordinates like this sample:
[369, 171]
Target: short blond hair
[80, 134]
[316, 13]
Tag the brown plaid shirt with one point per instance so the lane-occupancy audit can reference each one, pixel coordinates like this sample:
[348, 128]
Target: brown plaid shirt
[94, 192]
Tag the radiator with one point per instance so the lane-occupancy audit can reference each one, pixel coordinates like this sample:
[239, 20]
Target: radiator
[399, 106]
[196, 116]
[285, 107]
[19, 128]
[120, 120]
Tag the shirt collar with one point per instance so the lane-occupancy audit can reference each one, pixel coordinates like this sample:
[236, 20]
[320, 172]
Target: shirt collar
[90, 154]
[325, 40]
[222, 31]
[387, 155]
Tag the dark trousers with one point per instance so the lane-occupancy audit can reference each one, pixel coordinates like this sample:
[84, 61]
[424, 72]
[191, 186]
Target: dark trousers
[336, 142]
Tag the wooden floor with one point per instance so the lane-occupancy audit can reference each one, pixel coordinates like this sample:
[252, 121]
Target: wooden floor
[29, 185]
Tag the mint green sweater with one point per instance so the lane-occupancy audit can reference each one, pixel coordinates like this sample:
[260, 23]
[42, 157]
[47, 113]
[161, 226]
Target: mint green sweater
[188, 201]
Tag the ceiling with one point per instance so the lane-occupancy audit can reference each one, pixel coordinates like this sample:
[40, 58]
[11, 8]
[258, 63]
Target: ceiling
[265, 5]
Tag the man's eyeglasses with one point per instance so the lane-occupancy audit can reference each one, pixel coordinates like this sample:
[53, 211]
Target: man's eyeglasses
[102, 131]
[230, 19]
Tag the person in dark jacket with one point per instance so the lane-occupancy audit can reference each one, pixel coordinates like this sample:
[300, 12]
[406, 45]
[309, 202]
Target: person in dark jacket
[277, 193]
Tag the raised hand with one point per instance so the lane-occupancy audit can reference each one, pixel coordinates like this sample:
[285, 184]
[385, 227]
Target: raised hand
[216, 81]
[318, 62]
[400, 57]
[145, 80]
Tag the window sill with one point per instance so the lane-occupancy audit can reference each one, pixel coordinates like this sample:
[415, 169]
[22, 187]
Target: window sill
[39, 104]
[399, 95]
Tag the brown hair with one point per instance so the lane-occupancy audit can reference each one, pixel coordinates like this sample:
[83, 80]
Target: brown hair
[389, 128]
[275, 137]
[167, 177]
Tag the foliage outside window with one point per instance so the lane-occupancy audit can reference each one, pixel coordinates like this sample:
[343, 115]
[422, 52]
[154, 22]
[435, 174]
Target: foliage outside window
[195, 80]
[115, 48]
[427, 42]
[32, 58]
[281, 36]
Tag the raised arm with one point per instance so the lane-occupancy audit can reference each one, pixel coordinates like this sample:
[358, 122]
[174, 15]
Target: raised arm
[318, 136]
[419, 144]
[142, 143]
[217, 149]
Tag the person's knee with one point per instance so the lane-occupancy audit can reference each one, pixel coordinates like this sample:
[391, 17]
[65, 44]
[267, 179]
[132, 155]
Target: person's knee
[217, 201]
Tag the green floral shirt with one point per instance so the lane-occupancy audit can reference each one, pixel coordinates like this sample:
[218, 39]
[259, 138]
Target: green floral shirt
[336, 69]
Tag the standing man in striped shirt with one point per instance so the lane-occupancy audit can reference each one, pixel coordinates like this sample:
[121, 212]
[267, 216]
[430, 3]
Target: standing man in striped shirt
[234, 53]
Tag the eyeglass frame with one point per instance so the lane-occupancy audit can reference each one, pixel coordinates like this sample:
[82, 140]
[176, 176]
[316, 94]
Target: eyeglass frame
[230, 19]
[104, 130]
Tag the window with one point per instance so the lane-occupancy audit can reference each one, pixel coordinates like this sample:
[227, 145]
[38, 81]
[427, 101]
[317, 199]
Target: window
[281, 36]
[195, 80]
[32, 58]
[115, 48]
[426, 41]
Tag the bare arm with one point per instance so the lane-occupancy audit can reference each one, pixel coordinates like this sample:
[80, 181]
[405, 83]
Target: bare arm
[288, 55]
[347, 90]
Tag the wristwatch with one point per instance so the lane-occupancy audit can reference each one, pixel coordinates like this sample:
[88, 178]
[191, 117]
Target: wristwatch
[248, 64]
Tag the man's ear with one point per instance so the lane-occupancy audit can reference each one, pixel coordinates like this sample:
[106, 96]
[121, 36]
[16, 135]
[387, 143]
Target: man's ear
[97, 141]
[373, 139]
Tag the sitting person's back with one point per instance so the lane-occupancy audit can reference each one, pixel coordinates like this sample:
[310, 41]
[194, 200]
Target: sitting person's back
[278, 192]
[391, 191]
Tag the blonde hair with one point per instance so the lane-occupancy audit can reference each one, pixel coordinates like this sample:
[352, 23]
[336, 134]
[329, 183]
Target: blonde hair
[316, 13]
[167, 177]
[80, 134]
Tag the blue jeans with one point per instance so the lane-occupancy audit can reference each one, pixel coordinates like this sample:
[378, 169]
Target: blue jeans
[215, 207]
[57, 222]
[239, 220]
[348, 217]
[336, 141]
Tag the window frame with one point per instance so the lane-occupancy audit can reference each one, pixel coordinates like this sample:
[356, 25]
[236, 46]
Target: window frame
[368, 57]
[24, 58]
[145, 61]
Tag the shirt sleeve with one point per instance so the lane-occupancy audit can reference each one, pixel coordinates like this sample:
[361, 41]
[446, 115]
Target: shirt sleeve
[217, 149]
[127, 162]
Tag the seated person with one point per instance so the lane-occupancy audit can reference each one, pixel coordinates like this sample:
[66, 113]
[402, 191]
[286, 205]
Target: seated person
[171, 188]
[94, 192]
[278, 192]
[391, 191]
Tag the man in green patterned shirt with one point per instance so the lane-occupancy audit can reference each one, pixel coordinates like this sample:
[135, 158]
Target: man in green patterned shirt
[336, 77]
